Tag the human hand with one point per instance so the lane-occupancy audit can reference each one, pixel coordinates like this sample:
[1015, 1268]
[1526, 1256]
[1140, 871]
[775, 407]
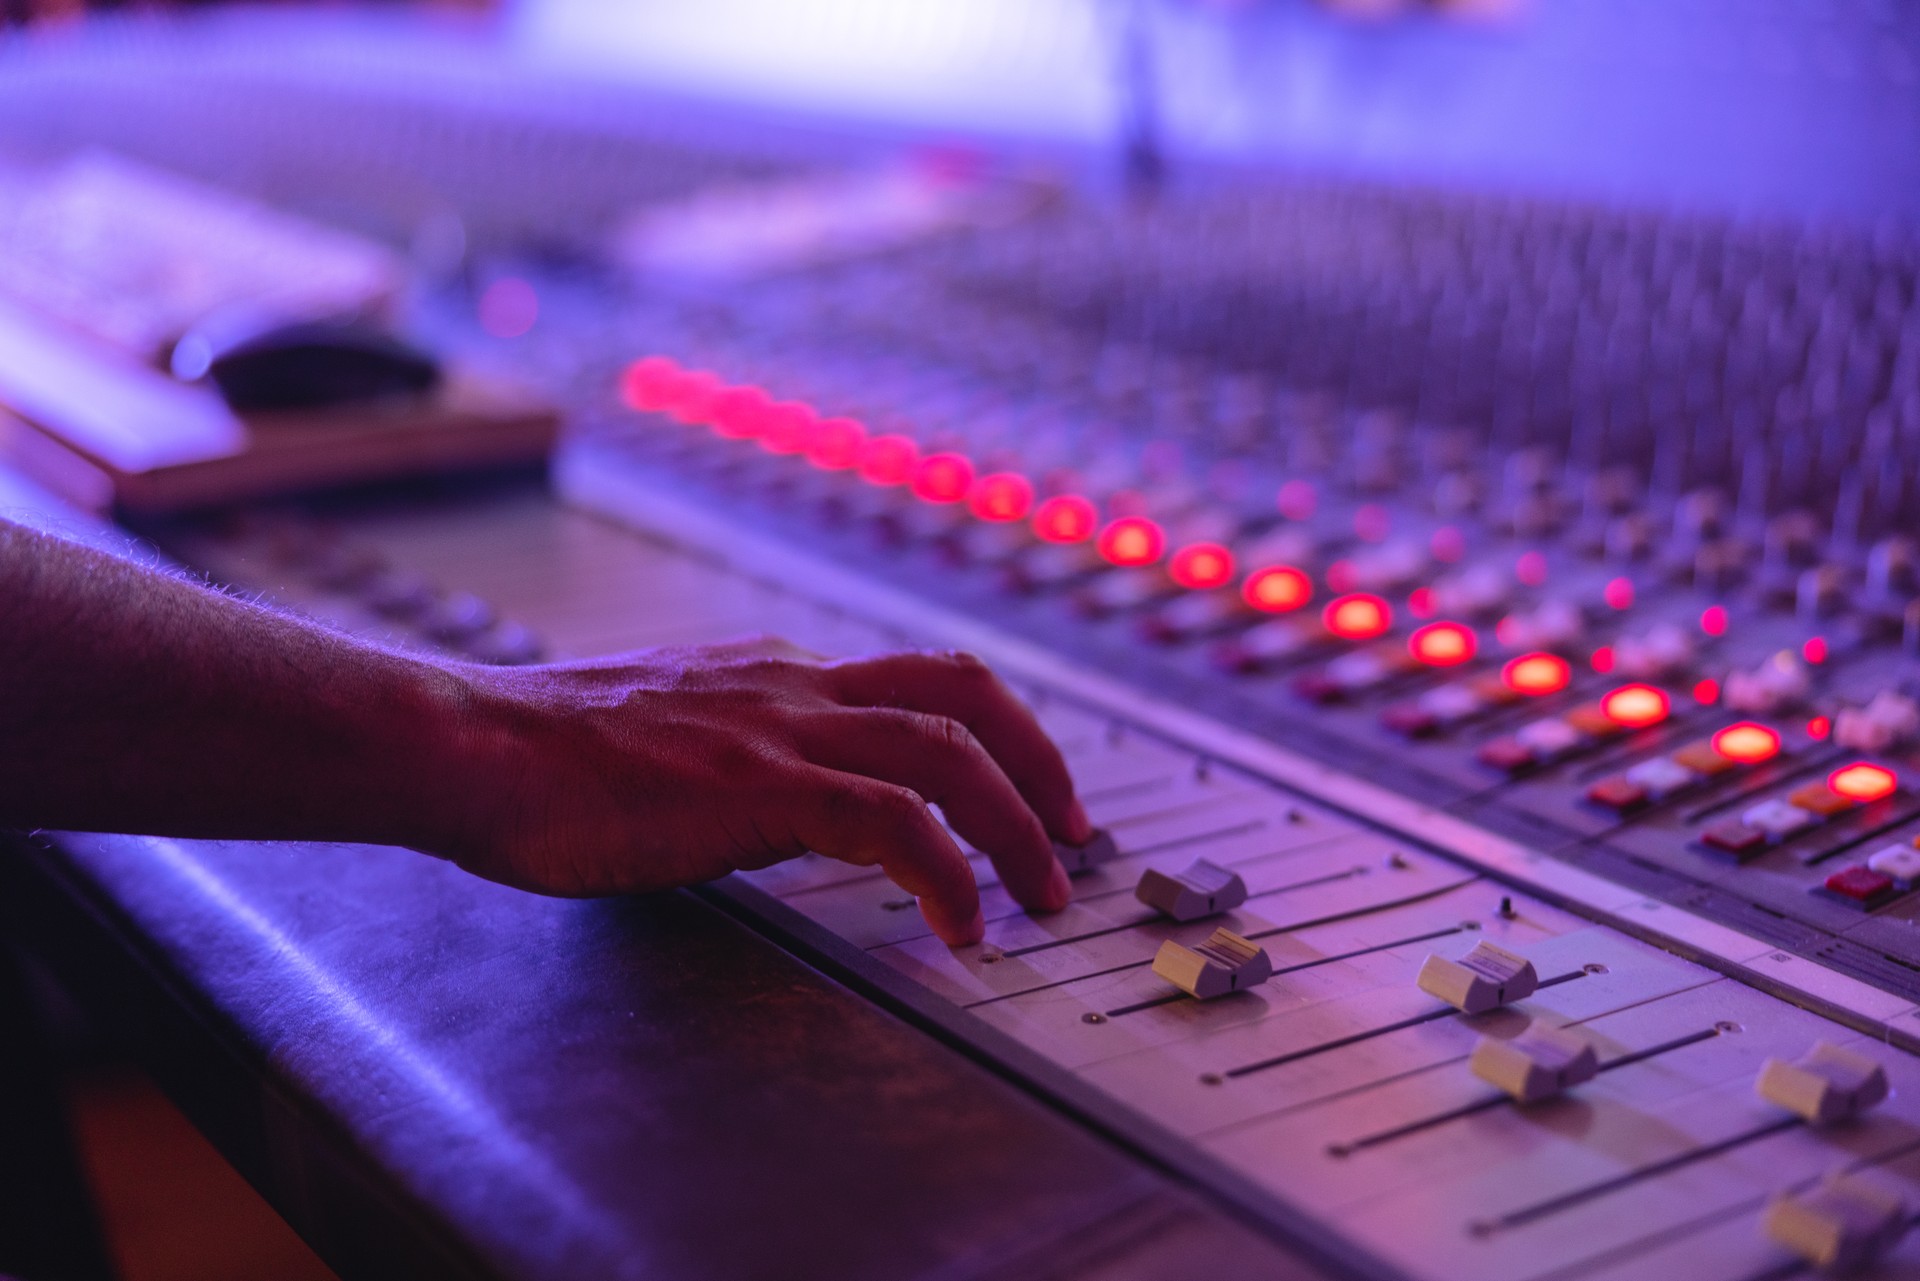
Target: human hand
[672, 766]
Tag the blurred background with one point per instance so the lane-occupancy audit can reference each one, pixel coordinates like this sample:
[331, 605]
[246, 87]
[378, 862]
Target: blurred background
[502, 150]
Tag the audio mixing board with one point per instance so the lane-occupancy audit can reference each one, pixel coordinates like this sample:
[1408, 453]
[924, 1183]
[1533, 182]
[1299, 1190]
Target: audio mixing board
[1487, 629]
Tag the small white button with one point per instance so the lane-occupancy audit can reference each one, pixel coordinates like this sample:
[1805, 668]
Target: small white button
[1901, 862]
[1887, 720]
[1839, 1226]
[1537, 1064]
[1450, 702]
[1357, 670]
[1828, 1084]
[1547, 737]
[1084, 858]
[1483, 979]
[1661, 777]
[1777, 818]
[1224, 963]
[1204, 889]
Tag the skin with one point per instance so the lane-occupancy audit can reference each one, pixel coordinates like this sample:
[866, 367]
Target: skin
[133, 700]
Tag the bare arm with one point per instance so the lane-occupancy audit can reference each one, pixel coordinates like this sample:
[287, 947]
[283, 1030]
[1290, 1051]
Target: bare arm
[134, 701]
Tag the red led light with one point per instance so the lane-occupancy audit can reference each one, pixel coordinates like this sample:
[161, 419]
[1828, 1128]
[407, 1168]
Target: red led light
[1132, 540]
[1747, 743]
[1420, 602]
[694, 395]
[1537, 674]
[1003, 496]
[1531, 569]
[790, 428]
[1618, 593]
[1819, 727]
[1713, 620]
[888, 460]
[1443, 644]
[1635, 706]
[836, 444]
[650, 384]
[1357, 617]
[1603, 659]
[1199, 566]
[1068, 518]
[1863, 783]
[1277, 589]
[1815, 650]
[741, 413]
[1706, 691]
[942, 478]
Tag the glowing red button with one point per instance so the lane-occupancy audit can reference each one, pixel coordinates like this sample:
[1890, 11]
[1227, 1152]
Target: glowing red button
[650, 384]
[836, 444]
[1003, 496]
[694, 395]
[1635, 706]
[740, 413]
[1863, 783]
[789, 428]
[1536, 674]
[1443, 644]
[1132, 540]
[1068, 518]
[1357, 617]
[1199, 566]
[1747, 743]
[888, 460]
[942, 478]
[1277, 589]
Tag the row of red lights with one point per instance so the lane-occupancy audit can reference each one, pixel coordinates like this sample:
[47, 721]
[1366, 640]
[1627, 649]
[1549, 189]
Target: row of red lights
[658, 384]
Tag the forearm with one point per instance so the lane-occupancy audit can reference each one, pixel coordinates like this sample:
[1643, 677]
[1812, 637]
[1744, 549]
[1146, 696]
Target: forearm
[134, 701]
[138, 702]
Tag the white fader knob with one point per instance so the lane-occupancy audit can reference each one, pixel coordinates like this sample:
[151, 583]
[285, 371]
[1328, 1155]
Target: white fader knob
[1829, 1084]
[1483, 979]
[1839, 1226]
[1224, 963]
[1084, 858]
[1537, 1064]
[1204, 889]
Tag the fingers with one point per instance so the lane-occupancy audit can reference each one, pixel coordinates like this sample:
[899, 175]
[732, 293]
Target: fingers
[944, 763]
[762, 645]
[960, 687]
[865, 821]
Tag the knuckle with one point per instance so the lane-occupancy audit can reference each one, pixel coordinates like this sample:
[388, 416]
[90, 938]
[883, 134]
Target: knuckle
[899, 809]
[942, 733]
[969, 666]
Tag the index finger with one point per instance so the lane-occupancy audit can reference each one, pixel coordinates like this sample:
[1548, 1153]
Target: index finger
[961, 688]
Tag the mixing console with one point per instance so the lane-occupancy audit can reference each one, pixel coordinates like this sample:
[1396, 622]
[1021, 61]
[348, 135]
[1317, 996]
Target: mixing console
[1486, 629]
[1658, 653]
[1378, 1047]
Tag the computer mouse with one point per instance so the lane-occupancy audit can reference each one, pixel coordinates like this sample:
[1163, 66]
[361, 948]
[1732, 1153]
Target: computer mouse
[308, 365]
